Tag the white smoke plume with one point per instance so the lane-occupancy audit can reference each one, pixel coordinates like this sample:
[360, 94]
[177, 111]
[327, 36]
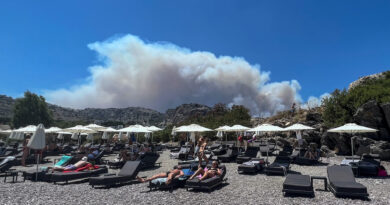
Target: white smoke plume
[161, 75]
[314, 102]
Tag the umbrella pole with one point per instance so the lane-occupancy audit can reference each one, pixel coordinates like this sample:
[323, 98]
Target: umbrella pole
[36, 174]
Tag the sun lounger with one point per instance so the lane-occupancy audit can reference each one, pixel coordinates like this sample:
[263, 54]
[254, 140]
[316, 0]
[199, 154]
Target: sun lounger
[264, 148]
[128, 173]
[160, 183]
[368, 166]
[184, 150]
[148, 160]
[250, 153]
[252, 166]
[298, 185]
[342, 182]
[279, 167]
[68, 176]
[207, 184]
[230, 155]
[6, 163]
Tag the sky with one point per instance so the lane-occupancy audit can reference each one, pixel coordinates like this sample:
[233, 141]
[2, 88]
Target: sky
[323, 45]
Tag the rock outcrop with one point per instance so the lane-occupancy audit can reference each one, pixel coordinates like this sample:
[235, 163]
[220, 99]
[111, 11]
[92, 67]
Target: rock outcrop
[130, 115]
[183, 112]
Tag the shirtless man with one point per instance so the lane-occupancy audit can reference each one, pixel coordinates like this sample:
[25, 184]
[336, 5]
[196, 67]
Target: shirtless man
[213, 171]
[78, 164]
[175, 173]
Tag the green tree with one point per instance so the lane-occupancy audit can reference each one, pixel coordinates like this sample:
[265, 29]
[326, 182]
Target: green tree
[340, 107]
[31, 110]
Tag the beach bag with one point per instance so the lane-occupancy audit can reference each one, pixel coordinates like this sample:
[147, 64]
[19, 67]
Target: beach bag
[382, 172]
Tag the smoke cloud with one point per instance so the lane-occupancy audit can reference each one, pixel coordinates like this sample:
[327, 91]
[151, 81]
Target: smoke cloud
[133, 72]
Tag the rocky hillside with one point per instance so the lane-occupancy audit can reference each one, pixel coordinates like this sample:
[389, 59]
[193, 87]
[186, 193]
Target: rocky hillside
[130, 115]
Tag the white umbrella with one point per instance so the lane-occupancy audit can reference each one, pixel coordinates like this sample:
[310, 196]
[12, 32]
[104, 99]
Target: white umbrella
[96, 127]
[135, 129]
[266, 128]
[53, 130]
[237, 128]
[110, 129]
[38, 142]
[153, 129]
[223, 129]
[192, 128]
[60, 136]
[74, 136]
[12, 135]
[297, 127]
[79, 129]
[105, 135]
[27, 129]
[18, 136]
[352, 128]
[5, 131]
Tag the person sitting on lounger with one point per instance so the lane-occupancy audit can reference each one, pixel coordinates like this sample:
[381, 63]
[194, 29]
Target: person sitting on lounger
[311, 153]
[210, 173]
[79, 164]
[172, 174]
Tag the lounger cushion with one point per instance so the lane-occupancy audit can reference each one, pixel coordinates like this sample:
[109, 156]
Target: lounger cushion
[66, 176]
[298, 182]
[128, 172]
[343, 182]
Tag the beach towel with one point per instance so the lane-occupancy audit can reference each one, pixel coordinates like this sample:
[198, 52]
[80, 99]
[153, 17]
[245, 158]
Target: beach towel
[64, 160]
[88, 166]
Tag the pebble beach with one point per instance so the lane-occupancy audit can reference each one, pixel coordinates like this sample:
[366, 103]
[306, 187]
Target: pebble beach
[238, 189]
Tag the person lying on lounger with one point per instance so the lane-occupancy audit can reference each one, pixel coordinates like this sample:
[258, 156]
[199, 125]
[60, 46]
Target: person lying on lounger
[205, 174]
[79, 164]
[175, 173]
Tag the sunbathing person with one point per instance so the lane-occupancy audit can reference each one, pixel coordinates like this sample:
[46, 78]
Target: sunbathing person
[175, 173]
[311, 154]
[210, 173]
[79, 164]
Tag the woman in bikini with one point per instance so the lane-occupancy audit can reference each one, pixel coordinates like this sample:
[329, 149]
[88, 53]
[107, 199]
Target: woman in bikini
[202, 146]
[212, 172]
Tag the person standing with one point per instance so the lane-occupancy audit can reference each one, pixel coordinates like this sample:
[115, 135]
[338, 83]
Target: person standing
[26, 150]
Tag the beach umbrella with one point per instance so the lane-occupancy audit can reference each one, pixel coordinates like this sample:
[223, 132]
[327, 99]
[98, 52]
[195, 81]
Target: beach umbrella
[105, 135]
[237, 128]
[153, 129]
[110, 129]
[266, 128]
[192, 128]
[74, 136]
[17, 136]
[78, 129]
[96, 127]
[223, 129]
[90, 137]
[298, 128]
[5, 131]
[37, 142]
[352, 128]
[27, 129]
[53, 130]
[135, 129]
[12, 135]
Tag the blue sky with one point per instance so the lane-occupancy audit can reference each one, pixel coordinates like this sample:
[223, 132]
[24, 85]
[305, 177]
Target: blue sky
[323, 44]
